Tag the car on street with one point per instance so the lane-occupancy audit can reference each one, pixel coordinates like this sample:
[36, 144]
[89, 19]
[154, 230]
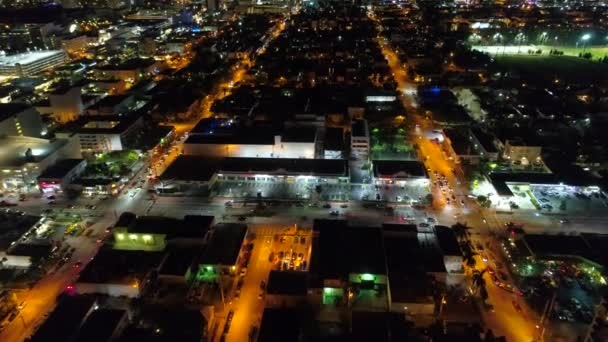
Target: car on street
[228, 321]
[326, 206]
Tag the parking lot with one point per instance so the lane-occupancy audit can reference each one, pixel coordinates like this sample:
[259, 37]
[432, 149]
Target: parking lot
[408, 194]
[290, 250]
[282, 190]
[567, 198]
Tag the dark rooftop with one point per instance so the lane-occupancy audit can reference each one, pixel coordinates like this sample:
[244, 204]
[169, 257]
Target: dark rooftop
[360, 251]
[119, 266]
[447, 241]
[9, 109]
[399, 169]
[225, 244]
[191, 226]
[159, 323]
[334, 139]
[279, 325]
[100, 325]
[359, 128]
[134, 63]
[191, 168]
[179, 260]
[102, 124]
[13, 226]
[60, 169]
[299, 135]
[460, 142]
[65, 320]
[544, 245]
[287, 283]
[485, 139]
[244, 136]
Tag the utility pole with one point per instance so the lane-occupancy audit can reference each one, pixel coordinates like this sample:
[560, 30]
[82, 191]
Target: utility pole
[546, 312]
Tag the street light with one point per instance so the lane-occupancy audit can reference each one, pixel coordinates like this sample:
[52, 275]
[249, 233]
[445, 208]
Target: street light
[585, 38]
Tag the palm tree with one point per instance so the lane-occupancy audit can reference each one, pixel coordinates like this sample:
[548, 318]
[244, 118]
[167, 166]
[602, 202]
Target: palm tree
[478, 280]
[460, 230]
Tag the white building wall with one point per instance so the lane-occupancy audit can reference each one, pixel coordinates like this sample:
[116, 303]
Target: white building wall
[283, 150]
[114, 290]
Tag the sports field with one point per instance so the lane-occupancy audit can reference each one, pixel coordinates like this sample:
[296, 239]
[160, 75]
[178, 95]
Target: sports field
[562, 68]
[498, 50]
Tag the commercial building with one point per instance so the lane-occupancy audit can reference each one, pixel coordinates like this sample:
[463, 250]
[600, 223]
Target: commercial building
[333, 143]
[131, 71]
[400, 172]
[286, 288]
[103, 133]
[253, 142]
[413, 261]
[57, 178]
[359, 139]
[117, 272]
[20, 119]
[222, 252]
[198, 174]
[450, 248]
[520, 153]
[30, 63]
[65, 104]
[12, 227]
[63, 323]
[23, 159]
[111, 105]
[153, 233]
[353, 275]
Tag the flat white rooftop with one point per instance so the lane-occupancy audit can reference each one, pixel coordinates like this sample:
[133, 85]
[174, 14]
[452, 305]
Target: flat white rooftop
[27, 57]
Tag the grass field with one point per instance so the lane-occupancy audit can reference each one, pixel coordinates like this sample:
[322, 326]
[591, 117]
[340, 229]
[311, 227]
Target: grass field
[556, 67]
[497, 50]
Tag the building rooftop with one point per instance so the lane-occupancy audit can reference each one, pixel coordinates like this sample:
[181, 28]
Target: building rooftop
[179, 260]
[224, 245]
[286, 166]
[27, 57]
[131, 64]
[60, 168]
[499, 180]
[460, 142]
[399, 169]
[7, 110]
[360, 250]
[13, 226]
[334, 139]
[100, 325]
[13, 150]
[447, 241]
[485, 139]
[257, 136]
[64, 322]
[287, 283]
[160, 323]
[279, 325]
[299, 135]
[103, 124]
[112, 266]
[191, 226]
[191, 168]
[545, 245]
[359, 129]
